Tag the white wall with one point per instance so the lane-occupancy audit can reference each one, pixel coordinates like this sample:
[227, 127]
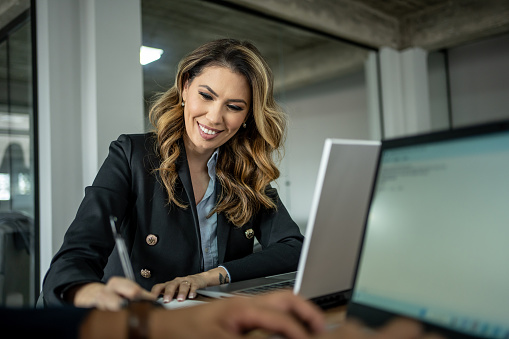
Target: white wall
[337, 108]
[479, 81]
[89, 92]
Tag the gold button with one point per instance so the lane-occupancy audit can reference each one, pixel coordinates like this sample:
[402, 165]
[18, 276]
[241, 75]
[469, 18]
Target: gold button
[145, 273]
[151, 239]
[249, 233]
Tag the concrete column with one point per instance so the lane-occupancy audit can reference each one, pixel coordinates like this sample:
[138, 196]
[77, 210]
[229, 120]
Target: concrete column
[90, 91]
[59, 140]
[405, 93]
[112, 77]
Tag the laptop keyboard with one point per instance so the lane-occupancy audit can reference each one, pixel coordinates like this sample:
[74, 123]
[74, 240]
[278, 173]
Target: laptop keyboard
[268, 287]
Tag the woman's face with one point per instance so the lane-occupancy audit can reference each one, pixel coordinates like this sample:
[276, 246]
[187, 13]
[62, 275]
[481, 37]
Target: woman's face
[216, 105]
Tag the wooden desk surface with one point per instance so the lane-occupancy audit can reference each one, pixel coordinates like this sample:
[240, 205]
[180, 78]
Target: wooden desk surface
[335, 315]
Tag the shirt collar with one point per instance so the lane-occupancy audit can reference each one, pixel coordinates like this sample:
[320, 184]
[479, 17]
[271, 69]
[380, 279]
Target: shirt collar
[211, 164]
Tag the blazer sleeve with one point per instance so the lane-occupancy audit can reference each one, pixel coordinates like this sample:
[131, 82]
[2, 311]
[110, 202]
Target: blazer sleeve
[281, 242]
[88, 241]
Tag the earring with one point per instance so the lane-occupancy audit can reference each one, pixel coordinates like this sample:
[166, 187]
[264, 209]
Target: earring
[244, 125]
[183, 104]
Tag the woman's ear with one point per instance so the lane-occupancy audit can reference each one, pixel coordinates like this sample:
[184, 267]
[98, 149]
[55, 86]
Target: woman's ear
[185, 90]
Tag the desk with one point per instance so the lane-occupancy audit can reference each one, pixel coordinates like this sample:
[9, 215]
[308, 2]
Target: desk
[335, 315]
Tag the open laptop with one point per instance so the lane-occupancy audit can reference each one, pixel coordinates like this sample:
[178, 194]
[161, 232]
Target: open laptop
[334, 231]
[436, 243]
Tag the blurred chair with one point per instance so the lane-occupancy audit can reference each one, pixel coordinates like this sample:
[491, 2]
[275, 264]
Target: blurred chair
[15, 243]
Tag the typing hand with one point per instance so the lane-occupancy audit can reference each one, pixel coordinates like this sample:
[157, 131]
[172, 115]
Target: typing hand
[185, 287]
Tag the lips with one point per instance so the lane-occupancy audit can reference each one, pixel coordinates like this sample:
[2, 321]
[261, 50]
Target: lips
[207, 132]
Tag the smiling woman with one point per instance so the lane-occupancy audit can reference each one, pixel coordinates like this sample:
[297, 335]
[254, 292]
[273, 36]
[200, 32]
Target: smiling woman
[190, 195]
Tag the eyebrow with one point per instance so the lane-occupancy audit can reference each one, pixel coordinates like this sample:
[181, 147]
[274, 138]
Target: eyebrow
[216, 95]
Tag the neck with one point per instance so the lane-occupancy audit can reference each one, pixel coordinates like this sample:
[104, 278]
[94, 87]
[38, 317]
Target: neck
[196, 159]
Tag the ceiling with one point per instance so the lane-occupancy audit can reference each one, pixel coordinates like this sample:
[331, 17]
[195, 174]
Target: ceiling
[178, 27]
[309, 40]
[303, 40]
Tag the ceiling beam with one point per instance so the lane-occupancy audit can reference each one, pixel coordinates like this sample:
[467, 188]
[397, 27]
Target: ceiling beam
[308, 66]
[455, 23]
[345, 19]
[447, 25]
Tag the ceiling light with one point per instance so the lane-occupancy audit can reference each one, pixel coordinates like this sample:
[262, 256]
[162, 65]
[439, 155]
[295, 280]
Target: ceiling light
[149, 54]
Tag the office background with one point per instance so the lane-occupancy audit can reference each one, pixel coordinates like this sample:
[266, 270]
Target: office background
[344, 69]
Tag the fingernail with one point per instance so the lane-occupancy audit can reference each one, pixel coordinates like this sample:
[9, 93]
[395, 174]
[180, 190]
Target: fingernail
[191, 295]
[180, 298]
[166, 300]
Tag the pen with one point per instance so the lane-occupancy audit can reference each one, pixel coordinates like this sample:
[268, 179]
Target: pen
[122, 251]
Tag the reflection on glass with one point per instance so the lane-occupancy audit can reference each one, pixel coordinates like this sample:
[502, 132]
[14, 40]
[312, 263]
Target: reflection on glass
[17, 205]
[5, 186]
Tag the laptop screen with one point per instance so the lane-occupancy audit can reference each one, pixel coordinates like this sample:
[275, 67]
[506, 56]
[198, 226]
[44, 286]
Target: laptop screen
[436, 244]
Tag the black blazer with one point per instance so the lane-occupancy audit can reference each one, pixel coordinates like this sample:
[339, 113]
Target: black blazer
[127, 187]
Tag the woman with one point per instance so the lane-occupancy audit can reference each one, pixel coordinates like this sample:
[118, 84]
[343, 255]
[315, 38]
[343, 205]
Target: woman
[191, 196]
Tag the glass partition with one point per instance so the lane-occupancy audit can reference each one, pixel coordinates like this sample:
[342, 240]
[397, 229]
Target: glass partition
[17, 152]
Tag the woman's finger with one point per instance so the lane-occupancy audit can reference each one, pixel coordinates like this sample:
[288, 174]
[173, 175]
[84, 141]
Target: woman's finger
[108, 299]
[184, 287]
[157, 289]
[192, 291]
[169, 292]
[111, 302]
[129, 289]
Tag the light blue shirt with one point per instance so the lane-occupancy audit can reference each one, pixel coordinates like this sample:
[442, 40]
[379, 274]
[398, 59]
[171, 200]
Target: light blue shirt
[208, 227]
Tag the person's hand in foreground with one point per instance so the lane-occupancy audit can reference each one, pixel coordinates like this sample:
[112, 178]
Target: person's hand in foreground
[111, 296]
[281, 312]
[396, 329]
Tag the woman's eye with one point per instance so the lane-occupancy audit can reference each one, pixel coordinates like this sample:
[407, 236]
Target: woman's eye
[235, 108]
[205, 96]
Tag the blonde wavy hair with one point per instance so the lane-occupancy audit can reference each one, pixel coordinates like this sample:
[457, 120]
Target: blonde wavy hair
[246, 163]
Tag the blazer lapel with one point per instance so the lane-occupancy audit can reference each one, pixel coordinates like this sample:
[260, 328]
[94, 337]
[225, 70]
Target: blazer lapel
[223, 229]
[185, 178]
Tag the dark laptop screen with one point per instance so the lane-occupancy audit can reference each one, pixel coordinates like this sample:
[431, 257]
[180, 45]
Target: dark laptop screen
[436, 245]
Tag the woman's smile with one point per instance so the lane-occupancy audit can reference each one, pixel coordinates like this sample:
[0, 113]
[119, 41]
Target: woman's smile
[208, 133]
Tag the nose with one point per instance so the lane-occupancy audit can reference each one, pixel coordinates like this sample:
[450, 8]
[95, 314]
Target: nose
[215, 114]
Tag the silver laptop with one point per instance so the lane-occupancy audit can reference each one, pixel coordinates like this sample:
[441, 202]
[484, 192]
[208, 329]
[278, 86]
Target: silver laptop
[334, 231]
[436, 244]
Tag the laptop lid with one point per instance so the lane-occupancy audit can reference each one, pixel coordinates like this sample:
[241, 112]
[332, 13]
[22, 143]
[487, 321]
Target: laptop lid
[334, 229]
[435, 246]
[337, 217]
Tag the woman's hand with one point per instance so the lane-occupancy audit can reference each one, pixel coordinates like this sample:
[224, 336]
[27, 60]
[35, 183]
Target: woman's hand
[110, 296]
[186, 287]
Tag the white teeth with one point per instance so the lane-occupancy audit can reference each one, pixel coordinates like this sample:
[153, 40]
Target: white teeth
[207, 130]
